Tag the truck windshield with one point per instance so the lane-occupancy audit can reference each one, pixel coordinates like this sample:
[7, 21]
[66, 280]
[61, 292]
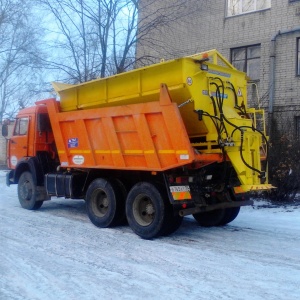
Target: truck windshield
[21, 127]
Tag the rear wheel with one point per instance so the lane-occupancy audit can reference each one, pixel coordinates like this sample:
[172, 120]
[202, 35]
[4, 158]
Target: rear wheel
[230, 214]
[122, 192]
[27, 192]
[105, 203]
[210, 218]
[146, 210]
[172, 223]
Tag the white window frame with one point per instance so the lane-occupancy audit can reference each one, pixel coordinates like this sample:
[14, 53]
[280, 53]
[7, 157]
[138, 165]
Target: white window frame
[239, 7]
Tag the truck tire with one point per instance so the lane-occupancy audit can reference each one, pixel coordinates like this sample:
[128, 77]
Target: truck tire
[230, 214]
[172, 222]
[146, 210]
[27, 192]
[171, 225]
[104, 203]
[210, 218]
[121, 199]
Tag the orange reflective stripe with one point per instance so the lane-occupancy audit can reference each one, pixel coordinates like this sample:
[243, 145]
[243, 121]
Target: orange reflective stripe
[181, 195]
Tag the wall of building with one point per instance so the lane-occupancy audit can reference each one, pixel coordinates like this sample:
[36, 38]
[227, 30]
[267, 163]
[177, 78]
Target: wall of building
[3, 152]
[203, 25]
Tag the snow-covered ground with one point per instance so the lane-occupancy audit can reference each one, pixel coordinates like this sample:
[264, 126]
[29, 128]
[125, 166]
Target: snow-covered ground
[56, 253]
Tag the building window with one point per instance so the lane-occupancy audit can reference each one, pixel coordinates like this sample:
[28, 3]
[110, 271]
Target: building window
[247, 59]
[237, 7]
[297, 127]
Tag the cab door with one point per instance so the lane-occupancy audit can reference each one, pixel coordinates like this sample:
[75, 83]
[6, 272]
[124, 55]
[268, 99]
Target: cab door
[18, 143]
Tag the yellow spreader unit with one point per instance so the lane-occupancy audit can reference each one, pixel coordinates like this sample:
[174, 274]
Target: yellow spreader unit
[211, 96]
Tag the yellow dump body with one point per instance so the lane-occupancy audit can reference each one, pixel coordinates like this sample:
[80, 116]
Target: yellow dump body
[211, 97]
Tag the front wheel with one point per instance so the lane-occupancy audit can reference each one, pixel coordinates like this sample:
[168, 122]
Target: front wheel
[27, 192]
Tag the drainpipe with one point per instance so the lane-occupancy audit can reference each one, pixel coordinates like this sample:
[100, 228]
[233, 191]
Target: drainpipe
[272, 71]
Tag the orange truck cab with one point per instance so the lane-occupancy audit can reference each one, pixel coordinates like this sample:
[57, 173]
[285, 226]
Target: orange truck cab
[32, 136]
[31, 149]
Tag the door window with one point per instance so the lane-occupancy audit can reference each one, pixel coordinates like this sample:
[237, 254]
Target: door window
[21, 127]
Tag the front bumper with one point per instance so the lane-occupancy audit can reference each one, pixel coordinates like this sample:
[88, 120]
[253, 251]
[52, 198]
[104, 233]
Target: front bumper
[10, 177]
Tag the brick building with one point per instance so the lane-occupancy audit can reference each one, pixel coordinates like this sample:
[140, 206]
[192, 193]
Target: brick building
[260, 37]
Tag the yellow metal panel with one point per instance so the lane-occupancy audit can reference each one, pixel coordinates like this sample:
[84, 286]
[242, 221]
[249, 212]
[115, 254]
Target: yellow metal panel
[184, 78]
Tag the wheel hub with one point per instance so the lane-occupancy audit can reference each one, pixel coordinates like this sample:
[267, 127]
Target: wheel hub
[149, 209]
[100, 203]
[143, 210]
[26, 191]
[104, 203]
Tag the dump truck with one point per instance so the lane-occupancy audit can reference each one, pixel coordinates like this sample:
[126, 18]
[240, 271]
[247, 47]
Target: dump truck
[146, 147]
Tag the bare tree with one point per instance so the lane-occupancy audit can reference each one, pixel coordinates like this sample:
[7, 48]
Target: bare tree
[96, 38]
[18, 56]
[85, 32]
[85, 39]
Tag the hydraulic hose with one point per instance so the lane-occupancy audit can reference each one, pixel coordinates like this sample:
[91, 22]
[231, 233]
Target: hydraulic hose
[220, 105]
[236, 105]
[223, 118]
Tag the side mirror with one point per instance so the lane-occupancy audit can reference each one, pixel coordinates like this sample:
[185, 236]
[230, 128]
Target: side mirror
[5, 130]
